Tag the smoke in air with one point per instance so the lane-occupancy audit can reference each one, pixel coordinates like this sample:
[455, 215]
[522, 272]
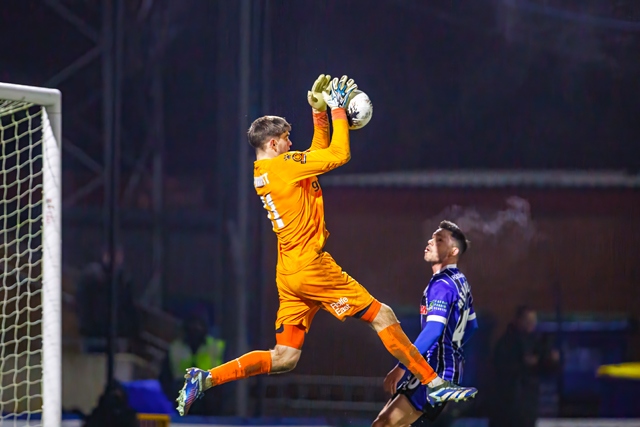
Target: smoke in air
[512, 224]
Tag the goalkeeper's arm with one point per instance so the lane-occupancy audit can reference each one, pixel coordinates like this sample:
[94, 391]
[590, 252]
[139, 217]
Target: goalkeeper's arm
[340, 147]
[320, 130]
[316, 162]
[319, 107]
[336, 94]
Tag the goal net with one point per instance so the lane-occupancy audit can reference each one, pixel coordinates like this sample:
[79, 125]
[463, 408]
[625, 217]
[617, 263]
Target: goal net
[30, 241]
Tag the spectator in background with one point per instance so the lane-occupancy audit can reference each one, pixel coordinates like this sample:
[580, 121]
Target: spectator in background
[113, 410]
[92, 300]
[520, 358]
[195, 348]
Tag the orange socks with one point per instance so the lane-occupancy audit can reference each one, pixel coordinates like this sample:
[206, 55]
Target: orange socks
[395, 340]
[248, 365]
[259, 362]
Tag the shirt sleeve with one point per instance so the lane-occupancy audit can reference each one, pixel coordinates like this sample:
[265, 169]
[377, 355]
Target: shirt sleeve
[320, 131]
[298, 165]
[429, 335]
[472, 322]
[472, 312]
[440, 298]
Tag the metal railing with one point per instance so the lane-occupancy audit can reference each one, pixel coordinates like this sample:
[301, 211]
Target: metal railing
[317, 393]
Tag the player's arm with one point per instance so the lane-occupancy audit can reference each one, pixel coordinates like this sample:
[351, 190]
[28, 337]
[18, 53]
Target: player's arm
[472, 322]
[296, 166]
[440, 299]
[429, 335]
[320, 131]
[338, 153]
[319, 108]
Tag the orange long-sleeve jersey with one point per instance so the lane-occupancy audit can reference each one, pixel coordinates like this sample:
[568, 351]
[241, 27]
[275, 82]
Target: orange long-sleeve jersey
[290, 192]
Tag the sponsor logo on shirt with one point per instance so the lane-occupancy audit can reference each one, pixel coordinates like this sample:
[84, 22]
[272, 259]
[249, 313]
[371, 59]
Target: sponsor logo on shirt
[438, 305]
[423, 310]
[299, 157]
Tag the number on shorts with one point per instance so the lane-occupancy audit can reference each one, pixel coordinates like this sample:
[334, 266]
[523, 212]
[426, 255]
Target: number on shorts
[415, 382]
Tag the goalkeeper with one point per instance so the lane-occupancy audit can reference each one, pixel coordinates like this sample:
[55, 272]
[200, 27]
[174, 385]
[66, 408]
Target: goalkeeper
[307, 277]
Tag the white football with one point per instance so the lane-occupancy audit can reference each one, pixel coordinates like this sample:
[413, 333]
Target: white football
[359, 110]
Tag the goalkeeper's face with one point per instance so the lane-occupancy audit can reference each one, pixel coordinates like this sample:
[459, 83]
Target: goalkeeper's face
[280, 145]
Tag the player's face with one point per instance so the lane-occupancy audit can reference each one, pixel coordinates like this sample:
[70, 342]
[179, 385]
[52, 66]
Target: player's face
[439, 246]
[283, 144]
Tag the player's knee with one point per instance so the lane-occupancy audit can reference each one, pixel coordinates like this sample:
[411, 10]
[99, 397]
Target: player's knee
[289, 362]
[382, 420]
[288, 365]
[385, 318]
[284, 359]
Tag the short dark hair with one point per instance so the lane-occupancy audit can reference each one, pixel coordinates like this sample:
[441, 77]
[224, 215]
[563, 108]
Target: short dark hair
[266, 127]
[458, 236]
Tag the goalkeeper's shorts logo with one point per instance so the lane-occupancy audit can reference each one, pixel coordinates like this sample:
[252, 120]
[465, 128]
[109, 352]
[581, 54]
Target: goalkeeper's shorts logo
[341, 306]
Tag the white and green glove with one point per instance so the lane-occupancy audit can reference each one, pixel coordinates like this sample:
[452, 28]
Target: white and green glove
[339, 91]
[314, 96]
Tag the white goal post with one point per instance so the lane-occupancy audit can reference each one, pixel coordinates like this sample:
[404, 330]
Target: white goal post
[30, 256]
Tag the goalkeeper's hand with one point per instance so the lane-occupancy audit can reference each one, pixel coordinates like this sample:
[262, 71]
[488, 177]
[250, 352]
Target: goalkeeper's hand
[339, 91]
[314, 96]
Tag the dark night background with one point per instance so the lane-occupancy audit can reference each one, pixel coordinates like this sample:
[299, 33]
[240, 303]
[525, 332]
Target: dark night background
[455, 84]
[491, 85]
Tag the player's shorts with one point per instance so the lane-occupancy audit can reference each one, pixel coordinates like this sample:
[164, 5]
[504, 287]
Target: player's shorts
[416, 392]
[322, 284]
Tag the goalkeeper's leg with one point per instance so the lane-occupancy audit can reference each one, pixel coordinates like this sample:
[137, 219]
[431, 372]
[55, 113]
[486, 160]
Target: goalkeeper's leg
[283, 358]
[395, 340]
[397, 343]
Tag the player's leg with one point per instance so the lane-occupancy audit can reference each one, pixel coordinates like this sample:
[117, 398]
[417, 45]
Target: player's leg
[399, 412]
[282, 358]
[386, 324]
[293, 319]
[397, 343]
[286, 353]
[409, 405]
[197, 381]
[342, 296]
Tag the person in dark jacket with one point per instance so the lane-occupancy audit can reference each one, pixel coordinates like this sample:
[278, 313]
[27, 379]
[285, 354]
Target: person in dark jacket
[113, 410]
[521, 357]
[92, 300]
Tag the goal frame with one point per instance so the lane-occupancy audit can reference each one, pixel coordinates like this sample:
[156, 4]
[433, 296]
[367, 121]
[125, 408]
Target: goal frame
[51, 101]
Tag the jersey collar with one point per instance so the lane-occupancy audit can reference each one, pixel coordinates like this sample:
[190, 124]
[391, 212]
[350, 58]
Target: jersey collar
[447, 266]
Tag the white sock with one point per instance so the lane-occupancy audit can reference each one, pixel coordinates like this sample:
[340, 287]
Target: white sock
[435, 382]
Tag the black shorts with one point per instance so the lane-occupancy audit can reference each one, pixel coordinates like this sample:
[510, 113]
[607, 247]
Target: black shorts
[429, 414]
[416, 392]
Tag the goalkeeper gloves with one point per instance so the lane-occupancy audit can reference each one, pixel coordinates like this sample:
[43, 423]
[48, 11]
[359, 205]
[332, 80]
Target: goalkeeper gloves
[314, 96]
[339, 91]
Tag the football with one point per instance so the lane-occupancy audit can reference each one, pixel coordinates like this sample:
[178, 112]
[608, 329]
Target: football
[359, 110]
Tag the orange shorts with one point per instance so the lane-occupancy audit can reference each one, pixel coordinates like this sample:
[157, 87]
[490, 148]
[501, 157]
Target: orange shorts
[322, 284]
